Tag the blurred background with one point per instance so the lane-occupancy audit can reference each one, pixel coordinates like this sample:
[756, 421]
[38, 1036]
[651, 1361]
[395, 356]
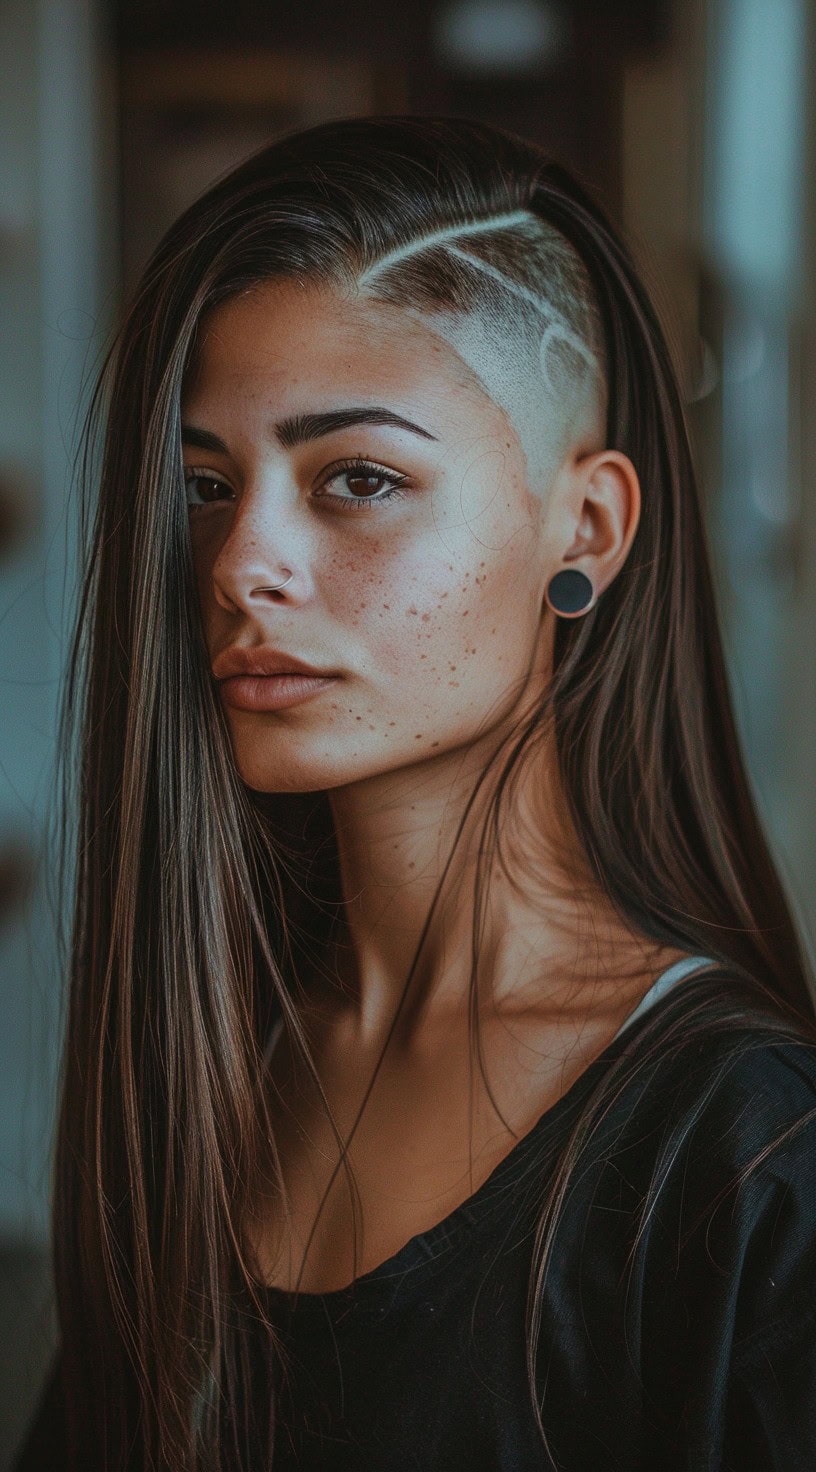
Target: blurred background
[692, 121]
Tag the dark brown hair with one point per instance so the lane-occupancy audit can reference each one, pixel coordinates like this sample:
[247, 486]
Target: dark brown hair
[195, 897]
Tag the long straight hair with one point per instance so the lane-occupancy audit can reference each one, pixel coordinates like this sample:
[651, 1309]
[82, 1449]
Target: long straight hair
[196, 900]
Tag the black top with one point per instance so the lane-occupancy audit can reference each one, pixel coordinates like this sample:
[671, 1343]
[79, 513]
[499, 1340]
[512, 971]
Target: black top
[683, 1341]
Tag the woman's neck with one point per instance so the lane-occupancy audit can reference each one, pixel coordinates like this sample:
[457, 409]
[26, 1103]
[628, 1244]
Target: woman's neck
[542, 928]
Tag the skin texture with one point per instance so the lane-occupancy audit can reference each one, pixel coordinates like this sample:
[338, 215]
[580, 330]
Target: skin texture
[432, 606]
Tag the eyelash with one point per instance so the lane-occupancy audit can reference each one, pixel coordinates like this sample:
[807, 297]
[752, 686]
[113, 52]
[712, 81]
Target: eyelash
[344, 467]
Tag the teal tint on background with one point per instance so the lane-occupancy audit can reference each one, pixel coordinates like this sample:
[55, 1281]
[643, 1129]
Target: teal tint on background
[754, 165]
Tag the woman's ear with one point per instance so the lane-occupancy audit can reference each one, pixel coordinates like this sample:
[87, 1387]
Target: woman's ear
[598, 515]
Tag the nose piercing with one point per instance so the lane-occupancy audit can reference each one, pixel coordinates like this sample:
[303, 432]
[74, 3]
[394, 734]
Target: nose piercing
[277, 585]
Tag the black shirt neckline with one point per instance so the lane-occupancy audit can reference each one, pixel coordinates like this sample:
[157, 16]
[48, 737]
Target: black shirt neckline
[418, 1256]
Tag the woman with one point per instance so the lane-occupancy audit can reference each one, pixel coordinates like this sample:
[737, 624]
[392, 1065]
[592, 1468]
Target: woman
[439, 1088]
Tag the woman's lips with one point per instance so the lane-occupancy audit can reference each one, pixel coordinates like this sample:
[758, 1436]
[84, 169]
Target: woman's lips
[271, 692]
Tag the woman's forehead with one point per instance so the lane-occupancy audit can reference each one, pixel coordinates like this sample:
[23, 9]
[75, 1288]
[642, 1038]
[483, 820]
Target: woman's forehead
[286, 341]
[293, 342]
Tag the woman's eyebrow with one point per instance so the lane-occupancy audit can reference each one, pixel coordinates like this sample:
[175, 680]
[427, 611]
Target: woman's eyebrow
[298, 429]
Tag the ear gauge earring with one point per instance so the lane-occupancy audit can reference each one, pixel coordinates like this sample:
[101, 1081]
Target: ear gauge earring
[570, 591]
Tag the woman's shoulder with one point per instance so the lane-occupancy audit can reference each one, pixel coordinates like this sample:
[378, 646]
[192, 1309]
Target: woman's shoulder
[723, 1079]
[715, 1065]
[687, 1255]
[713, 1150]
[775, 1076]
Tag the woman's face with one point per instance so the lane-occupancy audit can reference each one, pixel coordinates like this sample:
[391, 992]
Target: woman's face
[417, 575]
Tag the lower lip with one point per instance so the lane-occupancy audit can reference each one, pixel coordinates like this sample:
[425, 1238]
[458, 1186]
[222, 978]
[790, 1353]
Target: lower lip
[272, 692]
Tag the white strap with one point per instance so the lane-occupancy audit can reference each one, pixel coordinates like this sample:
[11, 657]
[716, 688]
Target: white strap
[665, 980]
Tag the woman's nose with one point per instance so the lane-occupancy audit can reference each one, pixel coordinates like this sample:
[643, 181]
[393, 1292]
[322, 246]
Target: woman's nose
[264, 557]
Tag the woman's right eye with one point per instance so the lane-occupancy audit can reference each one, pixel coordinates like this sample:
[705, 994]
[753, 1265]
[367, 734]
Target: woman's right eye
[200, 488]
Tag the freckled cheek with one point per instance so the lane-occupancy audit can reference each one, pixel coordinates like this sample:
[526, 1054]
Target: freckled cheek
[430, 626]
[385, 606]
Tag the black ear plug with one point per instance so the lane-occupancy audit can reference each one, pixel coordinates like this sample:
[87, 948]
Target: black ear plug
[569, 591]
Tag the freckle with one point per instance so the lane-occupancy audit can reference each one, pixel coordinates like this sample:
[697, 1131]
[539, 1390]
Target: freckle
[465, 612]
[454, 684]
[411, 864]
[434, 743]
[372, 728]
[358, 718]
[413, 610]
[426, 618]
[418, 736]
[453, 667]
[392, 723]
[423, 656]
[444, 595]
[386, 605]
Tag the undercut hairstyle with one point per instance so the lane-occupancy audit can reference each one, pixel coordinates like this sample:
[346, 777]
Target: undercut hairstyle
[513, 270]
[511, 296]
[197, 906]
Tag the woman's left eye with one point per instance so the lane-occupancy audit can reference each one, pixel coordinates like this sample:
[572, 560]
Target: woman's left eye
[365, 481]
